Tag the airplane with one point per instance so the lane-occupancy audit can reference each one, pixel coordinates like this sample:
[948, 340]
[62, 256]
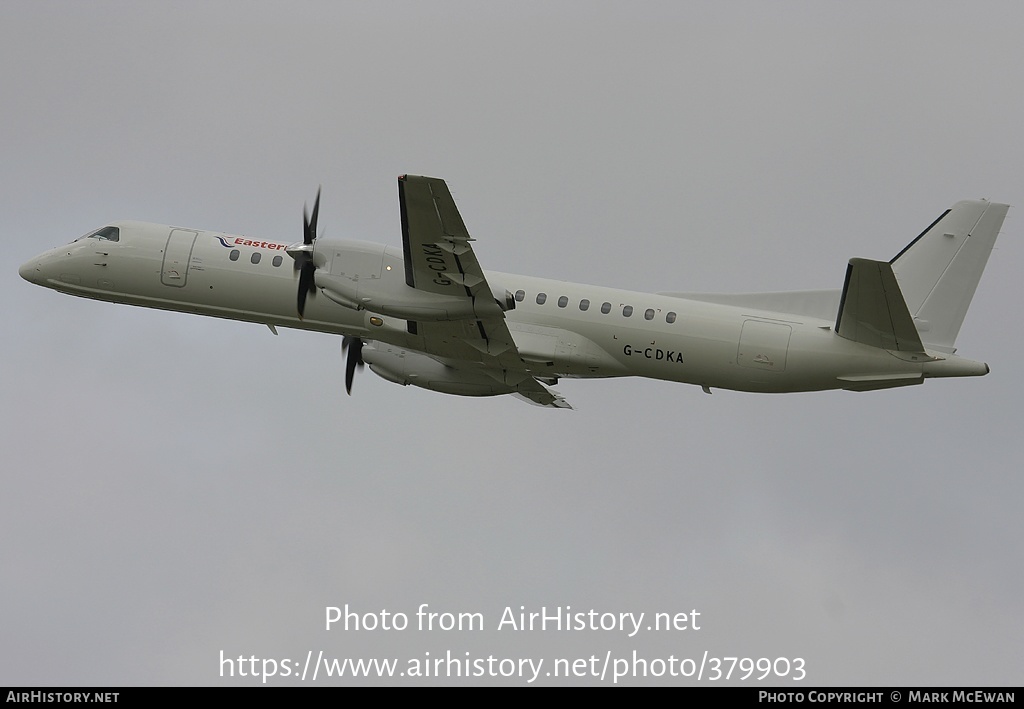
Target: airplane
[428, 315]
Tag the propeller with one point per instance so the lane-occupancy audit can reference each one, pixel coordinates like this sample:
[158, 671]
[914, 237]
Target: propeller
[305, 266]
[303, 256]
[354, 345]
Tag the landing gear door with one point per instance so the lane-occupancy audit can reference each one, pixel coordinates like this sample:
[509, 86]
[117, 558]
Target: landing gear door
[177, 255]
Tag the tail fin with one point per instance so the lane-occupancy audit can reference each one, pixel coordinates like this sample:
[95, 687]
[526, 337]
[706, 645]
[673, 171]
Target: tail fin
[939, 271]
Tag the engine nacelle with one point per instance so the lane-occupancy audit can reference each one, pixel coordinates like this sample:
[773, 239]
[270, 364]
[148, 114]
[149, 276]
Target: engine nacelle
[395, 299]
[404, 367]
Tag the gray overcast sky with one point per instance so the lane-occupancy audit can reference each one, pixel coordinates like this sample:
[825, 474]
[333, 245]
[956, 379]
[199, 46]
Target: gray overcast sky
[176, 486]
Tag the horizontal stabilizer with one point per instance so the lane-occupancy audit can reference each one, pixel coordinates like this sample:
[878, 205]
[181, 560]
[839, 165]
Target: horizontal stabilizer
[874, 382]
[820, 304]
[872, 310]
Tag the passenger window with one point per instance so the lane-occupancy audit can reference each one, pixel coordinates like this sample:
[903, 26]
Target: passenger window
[563, 301]
[627, 310]
[584, 304]
[649, 314]
[520, 294]
[255, 258]
[541, 297]
[606, 308]
[277, 261]
[670, 318]
[234, 255]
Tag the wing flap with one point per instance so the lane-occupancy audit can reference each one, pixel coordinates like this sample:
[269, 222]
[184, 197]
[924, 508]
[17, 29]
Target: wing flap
[540, 395]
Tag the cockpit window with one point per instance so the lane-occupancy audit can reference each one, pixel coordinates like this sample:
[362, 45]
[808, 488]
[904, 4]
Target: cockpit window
[107, 233]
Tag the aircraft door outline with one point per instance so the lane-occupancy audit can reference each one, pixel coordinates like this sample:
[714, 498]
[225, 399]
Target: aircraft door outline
[177, 256]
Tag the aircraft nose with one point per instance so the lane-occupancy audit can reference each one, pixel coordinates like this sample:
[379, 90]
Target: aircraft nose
[29, 270]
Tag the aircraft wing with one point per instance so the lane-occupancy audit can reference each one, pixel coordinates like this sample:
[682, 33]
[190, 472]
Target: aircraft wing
[439, 259]
[438, 255]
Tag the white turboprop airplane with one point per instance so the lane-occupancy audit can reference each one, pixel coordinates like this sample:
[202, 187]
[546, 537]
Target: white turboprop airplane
[428, 315]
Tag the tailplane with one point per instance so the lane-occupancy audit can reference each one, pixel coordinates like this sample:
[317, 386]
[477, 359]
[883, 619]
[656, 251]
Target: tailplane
[873, 311]
[939, 271]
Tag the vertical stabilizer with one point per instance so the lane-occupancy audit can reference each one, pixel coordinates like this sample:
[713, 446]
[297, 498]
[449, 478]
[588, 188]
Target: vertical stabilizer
[939, 271]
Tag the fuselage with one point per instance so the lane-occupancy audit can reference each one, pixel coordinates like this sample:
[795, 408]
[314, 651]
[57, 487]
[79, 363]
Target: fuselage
[561, 329]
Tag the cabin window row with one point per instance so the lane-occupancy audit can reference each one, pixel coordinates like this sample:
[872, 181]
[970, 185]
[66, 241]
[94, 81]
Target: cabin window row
[255, 258]
[606, 307]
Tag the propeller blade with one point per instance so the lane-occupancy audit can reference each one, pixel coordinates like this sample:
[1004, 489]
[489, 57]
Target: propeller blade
[354, 345]
[309, 224]
[307, 284]
[304, 264]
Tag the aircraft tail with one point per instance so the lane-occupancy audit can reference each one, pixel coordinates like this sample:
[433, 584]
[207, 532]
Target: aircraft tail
[939, 271]
[873, 311]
